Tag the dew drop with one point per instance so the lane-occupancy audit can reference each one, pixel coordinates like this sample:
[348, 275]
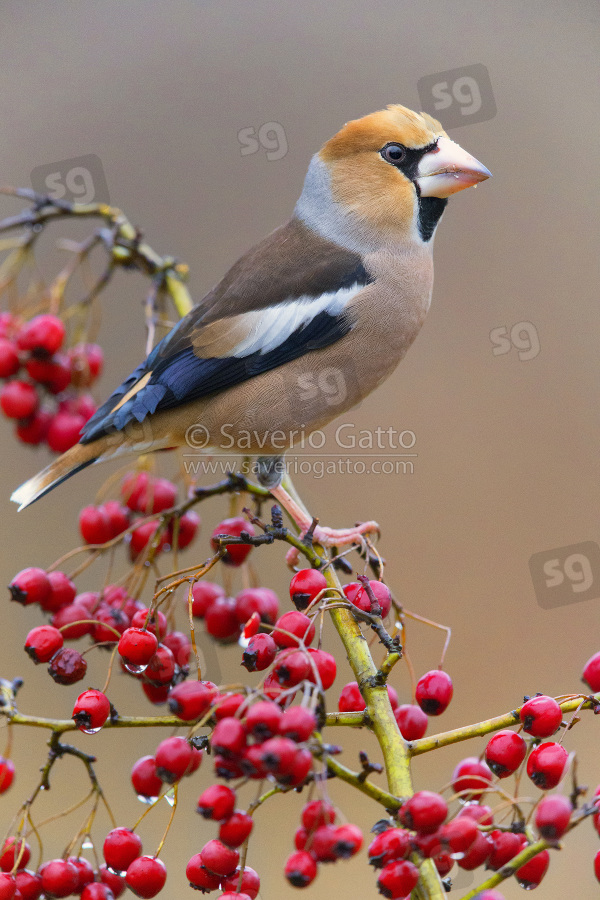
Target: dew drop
[144, 799]
[87, 845]
[91, 730]
[170, 797]
[135, 670]
[243, 642]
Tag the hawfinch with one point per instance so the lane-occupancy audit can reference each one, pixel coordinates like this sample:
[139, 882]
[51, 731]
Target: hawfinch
[343, 287]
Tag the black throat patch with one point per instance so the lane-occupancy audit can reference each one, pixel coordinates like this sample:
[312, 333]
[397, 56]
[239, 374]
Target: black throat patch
[430, 213]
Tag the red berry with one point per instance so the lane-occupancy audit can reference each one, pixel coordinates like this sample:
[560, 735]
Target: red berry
[191, 699]
[110, 623]
[250, 882]
[30, 586]
[356, 594]
[115, 882]
[66, 617]
[478, 811]
[477, 853]
[29, 884]
[180, 646]
[59, 878]
[541, 716]
[121, 847]
[221, 620]
[136, 649]
[423, 812]
[157, 495]
[412, 721]
[217, 802]
[531, 873]
[351, 699]
[199, 877]
[297, 723]
[236, 829]
[390, 845]
[85, 872]
[348, 840]
[305, 586]
[91, 711]
[235, 554]
[260, 653]
[154, 621]
[86, 362]
[505, 845]
[67, 666]
[277, 755]
[62, 592]
[457, 835]
[146, 876]
[9, 358]
[227, 705]
[325, 666]
[144, 779]
[64, 431]
[14, 849]
[434, 692]
[189, 523]
[161, 668]
[95, 890]
[132, 487]
[505, 752]
[42, 643]
[45, 332]
[173, 759]
[262, 720]
[597, 865]
[443, 863]
[317, 813]
[94, 525]
[234, 895]
[299, 770]
[117, 516]
[321, 844]
[219, 859]
[292, 667]
[546, 765]
[18, 400]
[471, 777]
[144, 535]
[53, 372]
[34, 430]
[229, 737]
[261, 600]
[591, 673]
[204, 593]
[156, 693]
[7, 773]
[397, 879]
[300, 869]
[292, 628]
[552, 817]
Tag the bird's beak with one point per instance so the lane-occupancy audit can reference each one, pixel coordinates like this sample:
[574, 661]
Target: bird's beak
[448, 169]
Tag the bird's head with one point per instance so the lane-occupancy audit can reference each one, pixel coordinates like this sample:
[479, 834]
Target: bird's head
[389, 173]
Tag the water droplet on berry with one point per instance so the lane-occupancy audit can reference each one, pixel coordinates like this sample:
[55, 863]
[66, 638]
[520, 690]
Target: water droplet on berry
[143, 798]
[135, 670]
[91, 730]
[87, 844]
[243, 641]
[170, 797]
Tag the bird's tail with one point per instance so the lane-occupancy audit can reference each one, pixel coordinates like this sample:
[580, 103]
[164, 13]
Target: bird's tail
[74, 460]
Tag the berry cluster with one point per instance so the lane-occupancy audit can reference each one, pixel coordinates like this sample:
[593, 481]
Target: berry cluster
[43, 386]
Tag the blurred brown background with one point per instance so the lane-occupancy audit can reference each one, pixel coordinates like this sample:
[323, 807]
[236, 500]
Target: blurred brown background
[507, 462]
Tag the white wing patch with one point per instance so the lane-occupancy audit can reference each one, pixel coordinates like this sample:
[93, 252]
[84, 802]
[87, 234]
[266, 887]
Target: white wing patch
[274, 324]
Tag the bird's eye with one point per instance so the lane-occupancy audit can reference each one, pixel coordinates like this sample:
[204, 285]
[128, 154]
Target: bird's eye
[394, 153]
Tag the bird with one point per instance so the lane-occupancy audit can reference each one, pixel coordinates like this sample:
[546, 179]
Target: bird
[336, 295]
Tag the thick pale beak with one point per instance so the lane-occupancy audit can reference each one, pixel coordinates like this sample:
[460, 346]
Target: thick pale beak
[448, 169]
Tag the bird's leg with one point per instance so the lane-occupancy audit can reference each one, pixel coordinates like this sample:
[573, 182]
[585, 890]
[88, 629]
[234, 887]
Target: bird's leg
[271, 471]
